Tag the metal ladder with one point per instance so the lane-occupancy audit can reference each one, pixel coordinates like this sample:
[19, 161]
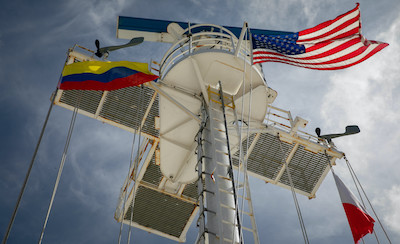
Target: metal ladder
[201, 221]
[217, 175]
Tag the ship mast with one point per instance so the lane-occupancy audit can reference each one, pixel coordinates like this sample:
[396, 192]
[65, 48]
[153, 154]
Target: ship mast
[205, 126]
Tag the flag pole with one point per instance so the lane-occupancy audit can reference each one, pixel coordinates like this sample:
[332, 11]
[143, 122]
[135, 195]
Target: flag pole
[241, 37]
[251, 45]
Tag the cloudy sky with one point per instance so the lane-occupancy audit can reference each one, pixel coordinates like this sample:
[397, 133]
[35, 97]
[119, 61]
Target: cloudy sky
[34, 39]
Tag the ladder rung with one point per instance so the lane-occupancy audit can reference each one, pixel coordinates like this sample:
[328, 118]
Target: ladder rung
[247, 213]
[214, 92]
[226, 105]
[225, 191]
[248, 229]
[220, 130]
[212, 100]
[221, 140]
[217, 110]
[219, 151]
[245, 198]
[229, 223]
[224, 178]
[220, 136]
[219, 95]
[230, 241]
[222, 164]
[217, 119]
[228, 207]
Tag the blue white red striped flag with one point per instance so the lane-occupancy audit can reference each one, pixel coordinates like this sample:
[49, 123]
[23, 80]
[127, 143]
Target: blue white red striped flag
[334, 44]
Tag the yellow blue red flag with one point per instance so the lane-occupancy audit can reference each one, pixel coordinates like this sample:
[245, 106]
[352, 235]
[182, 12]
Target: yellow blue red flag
[104, 76]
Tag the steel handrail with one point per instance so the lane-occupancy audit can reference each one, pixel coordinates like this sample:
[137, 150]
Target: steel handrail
[187, 45]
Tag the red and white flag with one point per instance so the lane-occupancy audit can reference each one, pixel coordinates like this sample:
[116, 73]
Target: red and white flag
[361, 223]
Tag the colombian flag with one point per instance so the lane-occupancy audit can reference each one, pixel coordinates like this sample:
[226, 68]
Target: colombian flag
[104, 76]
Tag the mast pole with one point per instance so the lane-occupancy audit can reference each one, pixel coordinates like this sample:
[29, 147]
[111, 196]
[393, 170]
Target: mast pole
[221, 211]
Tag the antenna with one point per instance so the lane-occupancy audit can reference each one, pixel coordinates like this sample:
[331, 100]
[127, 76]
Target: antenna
[105, 50]
[349, 130]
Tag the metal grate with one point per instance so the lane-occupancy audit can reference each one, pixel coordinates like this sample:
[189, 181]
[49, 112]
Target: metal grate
[161, 212]
[191, 190]
[267, 161]
[148, 126]
[235, 157]
[125, 106]
[306, 168]
[153, 173]
[84, 100]
[267, 157]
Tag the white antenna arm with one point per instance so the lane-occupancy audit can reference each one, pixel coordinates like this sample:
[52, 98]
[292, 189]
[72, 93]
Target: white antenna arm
[239, 45]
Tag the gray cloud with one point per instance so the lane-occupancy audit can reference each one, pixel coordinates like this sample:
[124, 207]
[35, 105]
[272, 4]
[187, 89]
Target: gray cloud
[33, 52]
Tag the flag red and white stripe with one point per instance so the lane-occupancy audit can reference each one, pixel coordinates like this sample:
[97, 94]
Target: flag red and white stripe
[361, 223]
[334, 44]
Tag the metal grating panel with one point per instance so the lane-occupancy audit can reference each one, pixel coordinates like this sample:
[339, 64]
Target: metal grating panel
[125, 107]
[267, 161]
[85, 100]
[191, 190]
[148, 126]
[267, 157]
[161, 212]
[235, 157]
[305, 168]
[153, 173]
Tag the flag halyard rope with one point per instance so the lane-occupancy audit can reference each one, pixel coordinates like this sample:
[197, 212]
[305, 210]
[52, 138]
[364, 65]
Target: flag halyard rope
[130, 171]
[296, 203]
[136, 164]
[61, 167]
[357, 183]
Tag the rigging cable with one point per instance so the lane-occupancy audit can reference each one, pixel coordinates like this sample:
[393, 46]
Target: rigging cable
[29, 170]
[28, 173]
[247, 136]
[61, 167]
[136, 165]
[299, 215]
[354, 177]
[131, 171]
[369, 202]
[359, 194]
[241, 156]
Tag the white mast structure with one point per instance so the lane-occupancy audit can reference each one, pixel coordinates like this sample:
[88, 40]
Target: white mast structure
[209, 113]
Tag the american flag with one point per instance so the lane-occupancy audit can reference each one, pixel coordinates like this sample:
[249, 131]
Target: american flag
[334, 44]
